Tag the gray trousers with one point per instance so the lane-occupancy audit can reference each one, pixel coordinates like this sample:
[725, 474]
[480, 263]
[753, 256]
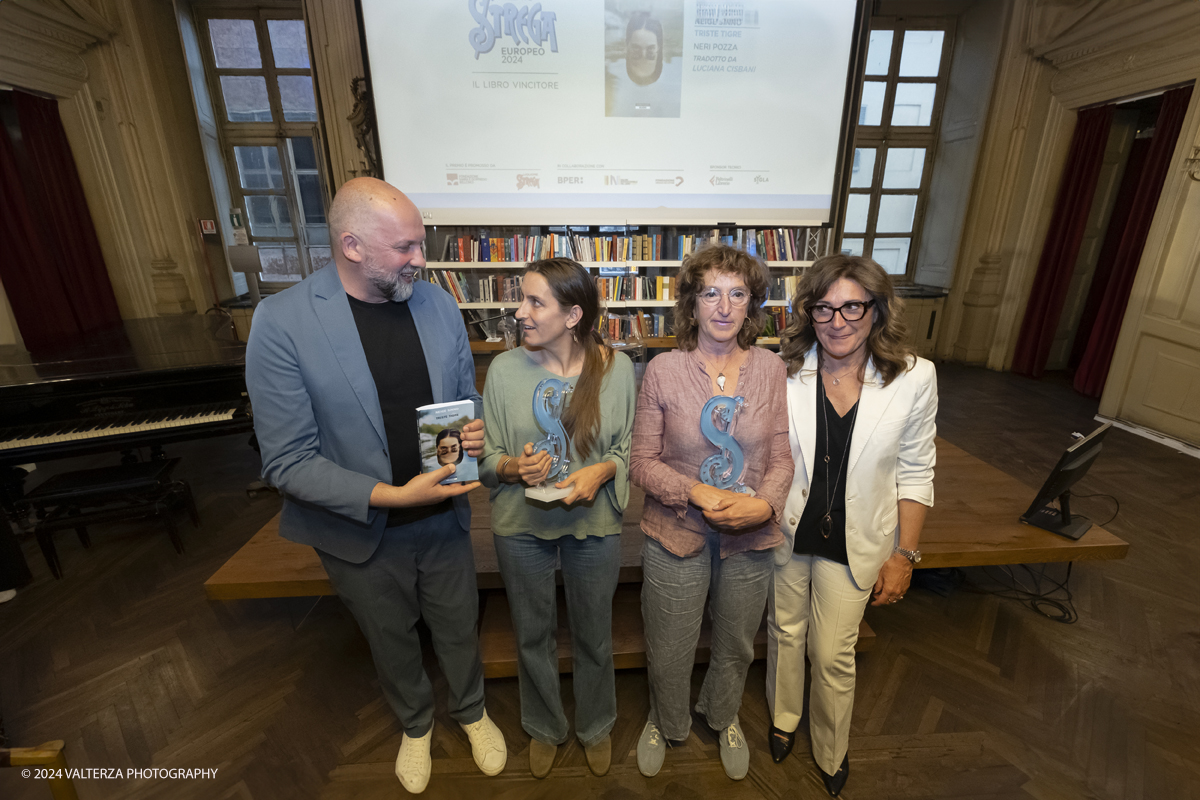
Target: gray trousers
[423, 569]
[673, 594]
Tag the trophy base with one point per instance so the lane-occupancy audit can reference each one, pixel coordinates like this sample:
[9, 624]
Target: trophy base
[546, 493]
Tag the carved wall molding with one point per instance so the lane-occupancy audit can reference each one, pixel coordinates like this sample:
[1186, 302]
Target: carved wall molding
[42, 44]
[337, 60]
[147, 155]
[1062, 31]
[131, 284]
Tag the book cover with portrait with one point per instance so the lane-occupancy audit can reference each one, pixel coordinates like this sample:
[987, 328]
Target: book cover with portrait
[439, 427]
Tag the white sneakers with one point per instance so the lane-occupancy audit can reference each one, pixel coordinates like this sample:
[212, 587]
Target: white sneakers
[487, 745]
[413, 764]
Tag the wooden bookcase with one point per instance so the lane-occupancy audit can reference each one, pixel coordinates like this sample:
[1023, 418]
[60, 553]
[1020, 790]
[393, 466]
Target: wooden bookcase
[475, 280]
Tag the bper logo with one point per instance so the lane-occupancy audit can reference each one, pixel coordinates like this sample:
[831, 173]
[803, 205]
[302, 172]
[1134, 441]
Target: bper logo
[524, 25]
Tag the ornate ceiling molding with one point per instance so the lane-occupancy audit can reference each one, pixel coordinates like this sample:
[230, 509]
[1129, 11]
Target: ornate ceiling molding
[42, 43]
[1105, 49]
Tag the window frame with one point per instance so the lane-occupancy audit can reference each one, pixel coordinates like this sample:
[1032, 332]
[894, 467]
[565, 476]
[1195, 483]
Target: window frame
[277, 132]
[886, 136]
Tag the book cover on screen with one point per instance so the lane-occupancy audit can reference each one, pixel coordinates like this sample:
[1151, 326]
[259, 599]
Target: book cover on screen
[439, 427]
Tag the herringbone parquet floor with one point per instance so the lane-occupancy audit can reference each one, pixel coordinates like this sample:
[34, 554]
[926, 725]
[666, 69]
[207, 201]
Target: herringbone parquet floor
[964, 696]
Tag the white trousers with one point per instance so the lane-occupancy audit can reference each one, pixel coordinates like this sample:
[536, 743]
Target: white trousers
[814, 607]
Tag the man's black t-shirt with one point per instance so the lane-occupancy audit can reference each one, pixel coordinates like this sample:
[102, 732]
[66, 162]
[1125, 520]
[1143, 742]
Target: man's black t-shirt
[397, 362]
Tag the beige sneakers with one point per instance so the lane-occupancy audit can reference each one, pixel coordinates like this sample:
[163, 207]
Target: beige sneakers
[487, 745]
[412, 762]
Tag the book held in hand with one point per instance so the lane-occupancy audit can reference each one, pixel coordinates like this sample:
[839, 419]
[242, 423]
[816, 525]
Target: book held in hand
[439, 427]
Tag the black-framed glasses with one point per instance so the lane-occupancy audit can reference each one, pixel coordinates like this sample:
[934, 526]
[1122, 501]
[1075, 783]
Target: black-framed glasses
[851, 312]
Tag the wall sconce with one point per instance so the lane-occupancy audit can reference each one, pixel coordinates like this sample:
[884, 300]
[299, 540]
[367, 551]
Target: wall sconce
[1192, 165]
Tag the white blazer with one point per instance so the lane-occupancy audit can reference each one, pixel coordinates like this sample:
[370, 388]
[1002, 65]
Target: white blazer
[892, 455]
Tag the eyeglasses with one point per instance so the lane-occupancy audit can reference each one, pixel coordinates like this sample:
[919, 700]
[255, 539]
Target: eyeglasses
[738, 298]
[649, 52]
[851, 312]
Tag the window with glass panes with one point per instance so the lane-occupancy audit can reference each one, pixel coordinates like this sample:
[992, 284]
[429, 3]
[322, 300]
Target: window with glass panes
[261, 79]
[904, 86]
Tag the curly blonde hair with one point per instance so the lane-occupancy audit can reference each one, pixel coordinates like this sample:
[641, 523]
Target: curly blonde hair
[690, 281]
[886, 341]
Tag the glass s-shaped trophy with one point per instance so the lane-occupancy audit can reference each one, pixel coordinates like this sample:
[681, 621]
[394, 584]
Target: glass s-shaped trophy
[549, 401]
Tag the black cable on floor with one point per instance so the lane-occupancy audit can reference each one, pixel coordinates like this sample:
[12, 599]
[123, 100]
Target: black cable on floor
[1048, 597]
[1109, 496]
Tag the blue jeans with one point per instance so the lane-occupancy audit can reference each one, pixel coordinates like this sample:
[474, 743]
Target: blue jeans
[673, 594]
[423, 569]
[590, 568]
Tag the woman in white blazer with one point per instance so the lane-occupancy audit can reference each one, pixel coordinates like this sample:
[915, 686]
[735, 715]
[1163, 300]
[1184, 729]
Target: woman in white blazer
[861, 411]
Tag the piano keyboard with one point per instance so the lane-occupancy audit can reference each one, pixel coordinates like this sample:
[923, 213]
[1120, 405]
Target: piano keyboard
[12, 440]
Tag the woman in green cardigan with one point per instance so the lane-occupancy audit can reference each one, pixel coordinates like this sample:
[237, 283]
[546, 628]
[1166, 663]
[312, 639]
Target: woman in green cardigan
[557, 319]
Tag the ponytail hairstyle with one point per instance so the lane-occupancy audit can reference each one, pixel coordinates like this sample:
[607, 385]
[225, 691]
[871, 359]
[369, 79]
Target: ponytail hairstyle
[573, 286]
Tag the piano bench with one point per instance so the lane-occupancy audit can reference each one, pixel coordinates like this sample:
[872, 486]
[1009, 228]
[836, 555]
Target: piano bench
[110, 494]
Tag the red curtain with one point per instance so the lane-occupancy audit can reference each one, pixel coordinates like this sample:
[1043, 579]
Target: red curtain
[1061, 249]
[1122, 208]
[52, 270]
[1093, 368]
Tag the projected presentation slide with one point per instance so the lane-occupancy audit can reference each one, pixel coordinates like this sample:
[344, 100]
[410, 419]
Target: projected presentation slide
[611, 111]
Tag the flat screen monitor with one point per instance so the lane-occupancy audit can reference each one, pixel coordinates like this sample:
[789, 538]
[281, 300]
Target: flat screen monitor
[612, 111]
[1073, 465]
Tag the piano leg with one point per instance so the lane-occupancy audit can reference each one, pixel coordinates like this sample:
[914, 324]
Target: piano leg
[81, 530]
[46, 542]
[12, 489]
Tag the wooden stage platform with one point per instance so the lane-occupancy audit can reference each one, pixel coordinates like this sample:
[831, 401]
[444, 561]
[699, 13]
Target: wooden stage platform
[974, 522]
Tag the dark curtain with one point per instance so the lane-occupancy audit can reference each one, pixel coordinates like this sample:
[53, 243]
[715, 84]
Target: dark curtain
[1061, 249]
[52, 269]
[1122, 208]
[1093, 368]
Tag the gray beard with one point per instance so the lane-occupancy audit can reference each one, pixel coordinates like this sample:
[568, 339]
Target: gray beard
[390, 285]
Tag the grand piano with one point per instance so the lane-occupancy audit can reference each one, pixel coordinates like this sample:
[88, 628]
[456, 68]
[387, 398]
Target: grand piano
[146, 383]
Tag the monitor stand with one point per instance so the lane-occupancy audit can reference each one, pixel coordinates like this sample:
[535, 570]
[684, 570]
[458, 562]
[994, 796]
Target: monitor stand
[1059, 520]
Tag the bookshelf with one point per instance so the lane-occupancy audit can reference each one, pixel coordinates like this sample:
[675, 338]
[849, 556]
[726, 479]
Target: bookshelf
[634, 266]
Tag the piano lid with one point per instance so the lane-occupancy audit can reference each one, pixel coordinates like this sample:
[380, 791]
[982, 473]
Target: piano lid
[158, 344]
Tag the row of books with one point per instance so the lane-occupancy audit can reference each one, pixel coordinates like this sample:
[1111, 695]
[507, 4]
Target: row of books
[505, 288]
[776, 321]
[623, 327]
[634, 287]
[515, 248]
[771, 244]
[494, 288]
[646, 325]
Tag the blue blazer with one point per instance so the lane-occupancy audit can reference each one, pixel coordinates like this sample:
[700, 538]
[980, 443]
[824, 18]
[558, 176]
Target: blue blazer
[317, 414]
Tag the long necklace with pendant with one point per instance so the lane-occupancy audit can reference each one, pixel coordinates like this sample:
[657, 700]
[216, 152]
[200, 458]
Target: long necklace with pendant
[827, 520]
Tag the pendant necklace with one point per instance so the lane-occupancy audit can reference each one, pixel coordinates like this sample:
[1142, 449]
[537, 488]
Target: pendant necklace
[837, 379]
[721, 373]
[827, 520]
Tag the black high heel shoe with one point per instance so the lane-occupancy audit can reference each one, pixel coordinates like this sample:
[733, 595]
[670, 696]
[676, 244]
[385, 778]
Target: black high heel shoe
[781, 743]
[836, 782]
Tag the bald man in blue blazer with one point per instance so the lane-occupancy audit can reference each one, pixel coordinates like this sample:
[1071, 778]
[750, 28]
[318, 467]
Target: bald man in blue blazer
[336, 366]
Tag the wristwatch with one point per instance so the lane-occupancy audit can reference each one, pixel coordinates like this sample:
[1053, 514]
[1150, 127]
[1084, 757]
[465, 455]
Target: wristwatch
[913, 556]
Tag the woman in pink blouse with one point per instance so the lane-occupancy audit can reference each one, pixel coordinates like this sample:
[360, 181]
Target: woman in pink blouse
[703, 541]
